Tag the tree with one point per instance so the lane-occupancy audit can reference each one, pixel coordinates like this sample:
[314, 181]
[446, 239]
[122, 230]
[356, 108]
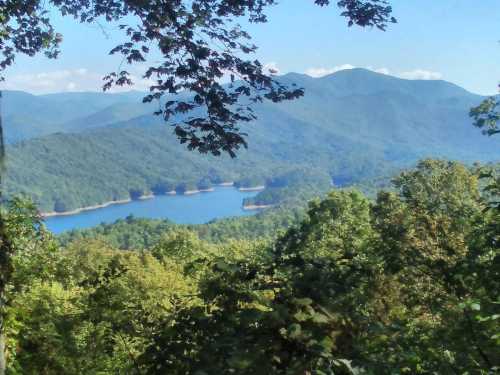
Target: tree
[26, 253]
[94, 315]
[296, 311]
[435, 246]
[486, 116]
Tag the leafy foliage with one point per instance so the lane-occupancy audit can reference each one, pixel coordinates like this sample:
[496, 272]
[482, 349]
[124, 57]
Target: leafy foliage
[486, 116]
[407, 283]
[141, 234]
[389, 288]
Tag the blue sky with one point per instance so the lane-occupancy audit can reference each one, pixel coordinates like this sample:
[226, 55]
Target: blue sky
[455, 40]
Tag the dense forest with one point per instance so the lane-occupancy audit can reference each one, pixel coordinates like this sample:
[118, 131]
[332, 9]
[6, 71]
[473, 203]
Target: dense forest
[404, 283]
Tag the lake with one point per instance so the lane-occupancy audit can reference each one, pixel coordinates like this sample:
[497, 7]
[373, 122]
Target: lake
[182, 209]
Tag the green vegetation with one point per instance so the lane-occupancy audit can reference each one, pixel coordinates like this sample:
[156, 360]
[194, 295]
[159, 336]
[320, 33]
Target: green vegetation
[407, 283]
[302, 146]
[292, 189]
[139, 234]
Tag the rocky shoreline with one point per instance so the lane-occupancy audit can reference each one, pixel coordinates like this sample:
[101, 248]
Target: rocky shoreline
[254, 188]
[83, 209]
[251, 207]
[197, 191]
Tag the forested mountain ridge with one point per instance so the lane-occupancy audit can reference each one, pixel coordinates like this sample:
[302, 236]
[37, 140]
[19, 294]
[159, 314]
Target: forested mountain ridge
[72, 111]
[349, 126]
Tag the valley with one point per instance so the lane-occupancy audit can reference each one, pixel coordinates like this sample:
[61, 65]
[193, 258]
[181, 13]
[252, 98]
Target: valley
[352, 126]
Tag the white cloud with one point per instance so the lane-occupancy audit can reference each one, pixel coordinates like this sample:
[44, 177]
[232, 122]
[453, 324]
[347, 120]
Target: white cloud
[417, 74]
[54, 81]
[379, 70]
[271, 67]
[67, 80]
[320, 72]
[421, 74]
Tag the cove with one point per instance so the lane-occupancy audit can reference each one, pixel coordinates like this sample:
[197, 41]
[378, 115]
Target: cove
[181, 209]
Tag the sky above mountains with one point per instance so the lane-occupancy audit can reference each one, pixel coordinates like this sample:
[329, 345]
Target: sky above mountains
[455, 40]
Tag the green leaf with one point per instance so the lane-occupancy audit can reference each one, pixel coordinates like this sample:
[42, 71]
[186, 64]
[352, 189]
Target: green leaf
[294, 331]
[475, 306]
[303, 301]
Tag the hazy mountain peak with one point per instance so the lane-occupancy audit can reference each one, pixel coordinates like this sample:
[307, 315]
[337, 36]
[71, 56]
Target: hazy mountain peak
[28, 116]
[360, 81]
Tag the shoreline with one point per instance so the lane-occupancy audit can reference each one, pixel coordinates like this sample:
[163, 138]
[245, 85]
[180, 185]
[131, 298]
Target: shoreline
[197, 191]
[77, 211]
[84, 209]
[253, 188]
[252, 207]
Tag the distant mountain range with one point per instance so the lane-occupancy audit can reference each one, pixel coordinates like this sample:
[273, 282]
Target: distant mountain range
[28, 116]
[350, 125]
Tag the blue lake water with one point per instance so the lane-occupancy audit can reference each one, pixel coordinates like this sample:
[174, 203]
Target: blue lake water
[181, 209]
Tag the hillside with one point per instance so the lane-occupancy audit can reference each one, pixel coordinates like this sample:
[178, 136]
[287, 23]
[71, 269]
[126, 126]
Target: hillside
[29, 116]
[350, 126]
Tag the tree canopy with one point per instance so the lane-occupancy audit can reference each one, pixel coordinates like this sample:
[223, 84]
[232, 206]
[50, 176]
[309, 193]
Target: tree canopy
[407, 283]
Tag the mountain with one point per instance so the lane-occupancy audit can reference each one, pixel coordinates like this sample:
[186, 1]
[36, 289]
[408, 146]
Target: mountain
[402, 117]
[28, 116]
[111, 115]
[350, 126]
